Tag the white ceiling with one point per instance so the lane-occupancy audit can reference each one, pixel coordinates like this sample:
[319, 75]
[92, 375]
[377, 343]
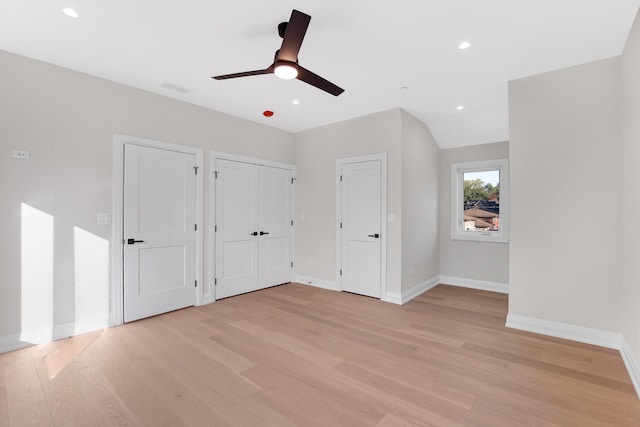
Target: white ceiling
[370, 48]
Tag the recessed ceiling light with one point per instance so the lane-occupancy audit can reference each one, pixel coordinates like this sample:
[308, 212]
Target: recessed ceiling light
[460, 107]
[464, 45]
[295, 102]
[70, 12]
[404, 88]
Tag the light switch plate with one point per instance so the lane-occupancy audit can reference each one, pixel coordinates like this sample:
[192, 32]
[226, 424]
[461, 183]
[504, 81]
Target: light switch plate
[21, 154]
[104, 218]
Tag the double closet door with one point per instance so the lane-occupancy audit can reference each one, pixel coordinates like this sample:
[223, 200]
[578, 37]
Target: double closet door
[253, 227]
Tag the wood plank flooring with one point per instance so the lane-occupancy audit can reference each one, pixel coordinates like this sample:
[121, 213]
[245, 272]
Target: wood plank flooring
[294, 355]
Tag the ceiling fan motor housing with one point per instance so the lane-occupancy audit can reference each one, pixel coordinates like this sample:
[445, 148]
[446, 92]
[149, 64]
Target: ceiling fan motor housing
[282, 29]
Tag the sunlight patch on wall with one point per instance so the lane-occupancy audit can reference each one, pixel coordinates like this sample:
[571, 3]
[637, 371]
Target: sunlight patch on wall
[37, 275]
[91, 274]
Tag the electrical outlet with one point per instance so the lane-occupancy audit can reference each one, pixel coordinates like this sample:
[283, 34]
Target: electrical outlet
[21, 154]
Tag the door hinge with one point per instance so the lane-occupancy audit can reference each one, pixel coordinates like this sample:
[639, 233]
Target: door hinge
[292, 179]
[215, 173]
[195, 169]
[340, 225]
[340, 178]
[215, 282]
[291, 222]
[215, 228]
[341, 272]
[196, 283]
[291, 264]
[196, 227]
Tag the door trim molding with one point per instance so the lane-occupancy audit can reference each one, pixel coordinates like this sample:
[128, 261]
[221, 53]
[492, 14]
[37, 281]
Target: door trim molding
[209, 295]
[117, 279]
[383, 215]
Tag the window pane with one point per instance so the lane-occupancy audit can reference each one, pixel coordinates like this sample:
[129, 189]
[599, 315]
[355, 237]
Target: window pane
[481, 201]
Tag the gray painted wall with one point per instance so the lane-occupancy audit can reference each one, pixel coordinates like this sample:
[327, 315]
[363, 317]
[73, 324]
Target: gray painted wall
[412, 189]
[420, 239]
[630, 85]
[67, 120]
[316, 154]
[485, 261]
[565, 155]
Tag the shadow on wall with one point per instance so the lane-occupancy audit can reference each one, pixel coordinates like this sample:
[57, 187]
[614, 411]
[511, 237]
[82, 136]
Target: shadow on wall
[91, 280]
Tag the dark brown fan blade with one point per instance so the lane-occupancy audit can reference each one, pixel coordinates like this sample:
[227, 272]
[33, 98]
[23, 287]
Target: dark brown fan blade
[296, 29]
[245, 74]
[317, 81]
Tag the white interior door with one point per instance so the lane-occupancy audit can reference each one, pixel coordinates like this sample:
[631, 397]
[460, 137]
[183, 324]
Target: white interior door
[361, 223]
[237, 228]
[275, 236]
[159, 231]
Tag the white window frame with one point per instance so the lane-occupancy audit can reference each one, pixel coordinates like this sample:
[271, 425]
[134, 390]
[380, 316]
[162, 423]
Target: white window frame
[457, 201]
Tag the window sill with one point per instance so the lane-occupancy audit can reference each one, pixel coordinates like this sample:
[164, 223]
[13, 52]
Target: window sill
[479, 237]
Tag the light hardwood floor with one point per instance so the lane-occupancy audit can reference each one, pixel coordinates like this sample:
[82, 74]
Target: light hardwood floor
[300, 356]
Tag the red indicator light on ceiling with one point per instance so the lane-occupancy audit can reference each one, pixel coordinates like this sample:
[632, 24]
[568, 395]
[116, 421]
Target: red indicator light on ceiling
[267, 113]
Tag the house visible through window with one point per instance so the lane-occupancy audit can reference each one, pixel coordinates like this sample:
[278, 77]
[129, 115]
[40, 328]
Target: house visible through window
[481, 195]
[479, 201]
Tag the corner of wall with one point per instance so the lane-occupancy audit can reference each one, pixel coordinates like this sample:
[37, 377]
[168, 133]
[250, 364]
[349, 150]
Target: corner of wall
[631, 362]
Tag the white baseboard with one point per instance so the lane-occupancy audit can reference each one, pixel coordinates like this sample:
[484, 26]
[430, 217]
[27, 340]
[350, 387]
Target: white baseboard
[206, 299]
[482, 285]
[409, 294]
[392, 297]
[597, 337]
[318, 283]
[566, 331]
[13, 342]
[631, 362]
[65, 330]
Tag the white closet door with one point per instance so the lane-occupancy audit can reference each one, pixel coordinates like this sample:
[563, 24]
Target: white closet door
[361, 214]
[275, 238]
[159, 231]
[237, 228]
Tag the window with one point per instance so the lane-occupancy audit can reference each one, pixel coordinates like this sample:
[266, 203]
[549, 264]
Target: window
[480, 201]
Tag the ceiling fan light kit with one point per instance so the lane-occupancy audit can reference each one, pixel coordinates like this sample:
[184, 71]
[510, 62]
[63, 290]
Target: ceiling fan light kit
[286, 70]
[285, 64]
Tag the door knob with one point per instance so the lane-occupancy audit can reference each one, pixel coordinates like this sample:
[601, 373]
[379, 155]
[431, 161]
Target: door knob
[132, 241]
[262, 233]
[255, 233]
[375, 236]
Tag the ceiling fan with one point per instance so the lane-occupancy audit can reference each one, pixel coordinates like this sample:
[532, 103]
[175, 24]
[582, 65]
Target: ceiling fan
[285, 64]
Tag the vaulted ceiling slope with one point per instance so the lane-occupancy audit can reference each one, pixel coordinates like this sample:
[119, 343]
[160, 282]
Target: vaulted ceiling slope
[385, 54]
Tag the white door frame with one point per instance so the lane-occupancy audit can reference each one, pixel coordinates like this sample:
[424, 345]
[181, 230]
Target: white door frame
[210, 293]
[383, 216]
[117, 282]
